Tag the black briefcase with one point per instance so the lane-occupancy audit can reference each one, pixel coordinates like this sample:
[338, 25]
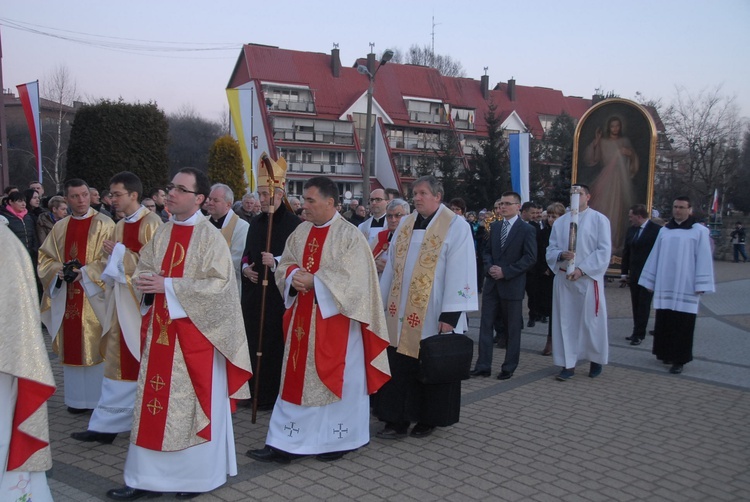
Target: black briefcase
[445, 358]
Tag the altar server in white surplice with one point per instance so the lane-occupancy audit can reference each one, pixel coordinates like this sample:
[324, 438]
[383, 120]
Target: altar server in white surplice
[678, 270]
[579, 310]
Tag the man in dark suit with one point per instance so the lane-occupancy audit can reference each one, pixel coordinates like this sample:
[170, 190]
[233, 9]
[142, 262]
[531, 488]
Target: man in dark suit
[638, 243]
[508, 254]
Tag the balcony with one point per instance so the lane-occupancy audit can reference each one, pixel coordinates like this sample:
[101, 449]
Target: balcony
[351, 169]
[425, 117]
[284, 105]
[464, 124]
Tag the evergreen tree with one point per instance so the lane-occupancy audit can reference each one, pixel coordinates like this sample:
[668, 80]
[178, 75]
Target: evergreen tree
[109, 137]
[447, 164]
[225, 165]
[559, 152]
[488, 175]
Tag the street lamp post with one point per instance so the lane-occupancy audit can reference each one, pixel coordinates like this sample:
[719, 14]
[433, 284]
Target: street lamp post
[387, 55]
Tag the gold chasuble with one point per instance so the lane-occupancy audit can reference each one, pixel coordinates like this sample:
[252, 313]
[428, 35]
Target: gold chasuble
[24, 356]
[173, 401]
[120, 363]
[420, 287]
[77, 331]
[315, 348]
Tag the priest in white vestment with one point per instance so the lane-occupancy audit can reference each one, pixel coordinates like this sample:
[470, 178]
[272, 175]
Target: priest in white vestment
[376, 222]
[26, 381]
[428, 284]
[232, 227]
[195, 356]
[335, 336]
[678, 270]
[579, 310]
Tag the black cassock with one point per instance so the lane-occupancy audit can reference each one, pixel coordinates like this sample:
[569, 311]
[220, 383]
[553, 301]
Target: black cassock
[284, 223]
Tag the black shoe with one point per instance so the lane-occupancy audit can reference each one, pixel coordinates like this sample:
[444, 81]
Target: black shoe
[629, 338]
[544, 319]
[595, 369]
[91, 436]
[531, 323]
[676, 369]
[392, 431]
[504, 375]
[270, 454]
[421, 430]
[331, 456]
[477, 373]
[636, 341]
[127, 493]
[186, 495]
[77, 411]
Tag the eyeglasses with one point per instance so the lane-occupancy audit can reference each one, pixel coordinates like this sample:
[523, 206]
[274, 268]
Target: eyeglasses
[179, 188]
[376, 199]
[394, 216]
[117, 195]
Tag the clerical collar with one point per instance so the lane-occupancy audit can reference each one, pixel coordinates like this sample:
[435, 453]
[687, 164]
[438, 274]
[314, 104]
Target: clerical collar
[329, 222]
[685, 225]
[377, 222]
[134, 217]
[188, 222]
[421, 222]
[88, 214]
[218, 223]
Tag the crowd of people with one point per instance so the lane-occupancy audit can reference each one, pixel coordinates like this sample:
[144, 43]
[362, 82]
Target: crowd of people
[168, 307]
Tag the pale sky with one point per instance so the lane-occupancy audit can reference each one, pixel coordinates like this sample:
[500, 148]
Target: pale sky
[574, 46]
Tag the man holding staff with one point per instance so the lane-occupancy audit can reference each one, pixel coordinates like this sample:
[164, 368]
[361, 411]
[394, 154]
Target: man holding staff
[579, 253]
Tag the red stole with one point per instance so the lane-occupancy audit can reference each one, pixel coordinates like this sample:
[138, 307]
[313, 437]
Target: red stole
[76, 242]
[331, 335]
[196, 349]
[129, 365]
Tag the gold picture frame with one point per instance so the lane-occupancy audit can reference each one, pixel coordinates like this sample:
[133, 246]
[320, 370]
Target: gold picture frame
[617, 163]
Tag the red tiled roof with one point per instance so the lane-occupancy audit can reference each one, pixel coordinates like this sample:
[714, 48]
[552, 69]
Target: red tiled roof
[333, 96]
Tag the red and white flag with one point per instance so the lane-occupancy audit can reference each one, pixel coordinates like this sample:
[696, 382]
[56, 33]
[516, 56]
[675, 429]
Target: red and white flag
[29, 96]
[715, 205]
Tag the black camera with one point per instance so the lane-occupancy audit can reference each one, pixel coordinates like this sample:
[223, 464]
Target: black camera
[70, 272]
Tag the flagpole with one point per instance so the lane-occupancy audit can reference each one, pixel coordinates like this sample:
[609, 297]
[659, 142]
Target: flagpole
[4, 167]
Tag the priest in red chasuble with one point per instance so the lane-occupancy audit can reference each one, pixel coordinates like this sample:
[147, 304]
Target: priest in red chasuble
[121, 339]
[194, 355]
[335, 336]
[73, 309]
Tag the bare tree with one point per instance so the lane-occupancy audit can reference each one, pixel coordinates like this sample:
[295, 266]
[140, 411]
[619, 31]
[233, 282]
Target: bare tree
[61, 89]
[424, 56]
[706, 132]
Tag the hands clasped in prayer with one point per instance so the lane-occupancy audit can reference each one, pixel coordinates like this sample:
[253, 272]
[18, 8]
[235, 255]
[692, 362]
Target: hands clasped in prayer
[302, 281]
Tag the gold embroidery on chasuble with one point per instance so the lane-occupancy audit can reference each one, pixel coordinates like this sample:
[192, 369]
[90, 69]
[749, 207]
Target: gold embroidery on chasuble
[420, 286]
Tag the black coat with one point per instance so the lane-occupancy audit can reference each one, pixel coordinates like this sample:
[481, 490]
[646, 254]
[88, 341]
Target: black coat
[284, 223]
[25, 230]
[516, 258]
[635, 254]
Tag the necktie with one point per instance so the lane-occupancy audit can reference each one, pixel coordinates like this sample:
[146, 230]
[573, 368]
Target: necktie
[503, 233]
[638, 234]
